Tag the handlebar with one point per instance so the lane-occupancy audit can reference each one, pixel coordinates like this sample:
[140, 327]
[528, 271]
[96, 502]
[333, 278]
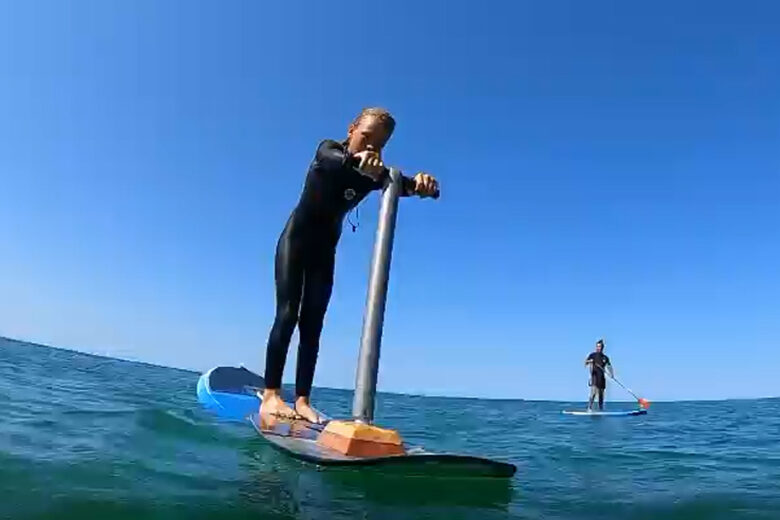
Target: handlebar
[386, 173]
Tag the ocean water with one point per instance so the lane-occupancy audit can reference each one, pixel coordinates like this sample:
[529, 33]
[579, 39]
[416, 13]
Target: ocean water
[88, 437]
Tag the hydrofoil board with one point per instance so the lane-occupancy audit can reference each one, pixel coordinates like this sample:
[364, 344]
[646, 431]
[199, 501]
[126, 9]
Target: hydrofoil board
[233, 393]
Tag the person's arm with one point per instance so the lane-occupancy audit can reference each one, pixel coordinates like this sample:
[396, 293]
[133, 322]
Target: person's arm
[589, 360]
[407, 186]
[608, 368]
[333, 155]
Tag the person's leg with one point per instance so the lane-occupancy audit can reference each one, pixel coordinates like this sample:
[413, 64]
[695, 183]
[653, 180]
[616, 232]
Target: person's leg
[289, 283]
[318, 285]
[601, 398]
[592, 396]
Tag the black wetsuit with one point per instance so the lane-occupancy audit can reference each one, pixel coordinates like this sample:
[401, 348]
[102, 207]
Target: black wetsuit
[598, 378]
[305, 256]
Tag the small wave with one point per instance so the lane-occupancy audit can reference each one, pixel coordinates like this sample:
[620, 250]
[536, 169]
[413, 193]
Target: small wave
[712, 507]
[87, 508]
[97, 413]
[185, 425]
[173, 424]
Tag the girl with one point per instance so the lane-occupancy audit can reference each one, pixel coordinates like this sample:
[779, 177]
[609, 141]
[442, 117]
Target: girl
[306, 250]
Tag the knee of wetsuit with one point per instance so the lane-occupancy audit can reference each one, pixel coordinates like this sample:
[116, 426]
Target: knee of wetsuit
[288, 314]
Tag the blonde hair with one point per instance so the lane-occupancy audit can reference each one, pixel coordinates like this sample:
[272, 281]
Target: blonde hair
[380, 113]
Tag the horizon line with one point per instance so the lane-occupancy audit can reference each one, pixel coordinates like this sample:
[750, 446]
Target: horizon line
[386, 392]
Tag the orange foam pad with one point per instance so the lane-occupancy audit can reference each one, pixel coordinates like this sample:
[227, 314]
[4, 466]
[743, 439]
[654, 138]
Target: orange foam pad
[360, 440]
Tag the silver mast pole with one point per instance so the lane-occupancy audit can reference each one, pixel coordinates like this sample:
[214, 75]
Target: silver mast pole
[373, 319]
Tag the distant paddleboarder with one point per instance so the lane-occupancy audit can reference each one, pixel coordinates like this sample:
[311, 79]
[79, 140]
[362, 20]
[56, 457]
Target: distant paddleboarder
[305, 252]
[598, 362]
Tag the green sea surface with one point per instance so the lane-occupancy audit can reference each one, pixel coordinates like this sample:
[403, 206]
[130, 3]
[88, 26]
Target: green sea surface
[91, 437]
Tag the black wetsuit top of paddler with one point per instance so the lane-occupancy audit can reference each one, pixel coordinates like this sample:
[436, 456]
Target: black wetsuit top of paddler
[598, 378]
[305, 255]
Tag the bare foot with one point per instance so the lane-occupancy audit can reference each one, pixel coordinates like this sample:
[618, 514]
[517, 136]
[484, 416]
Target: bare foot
[304, 409]
[274, 406]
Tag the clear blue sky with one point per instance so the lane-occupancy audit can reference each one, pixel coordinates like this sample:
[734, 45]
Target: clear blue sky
[607, 169]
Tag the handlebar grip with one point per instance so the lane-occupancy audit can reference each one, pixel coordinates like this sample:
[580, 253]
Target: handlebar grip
[386, 173]
[435, 194]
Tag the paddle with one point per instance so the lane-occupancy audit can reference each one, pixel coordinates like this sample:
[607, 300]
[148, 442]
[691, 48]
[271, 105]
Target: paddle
[643, 403]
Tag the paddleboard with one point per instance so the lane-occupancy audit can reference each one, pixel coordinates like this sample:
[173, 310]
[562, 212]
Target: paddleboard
[299, 440]
[597, 413]
[233, 394]
[230, 392]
